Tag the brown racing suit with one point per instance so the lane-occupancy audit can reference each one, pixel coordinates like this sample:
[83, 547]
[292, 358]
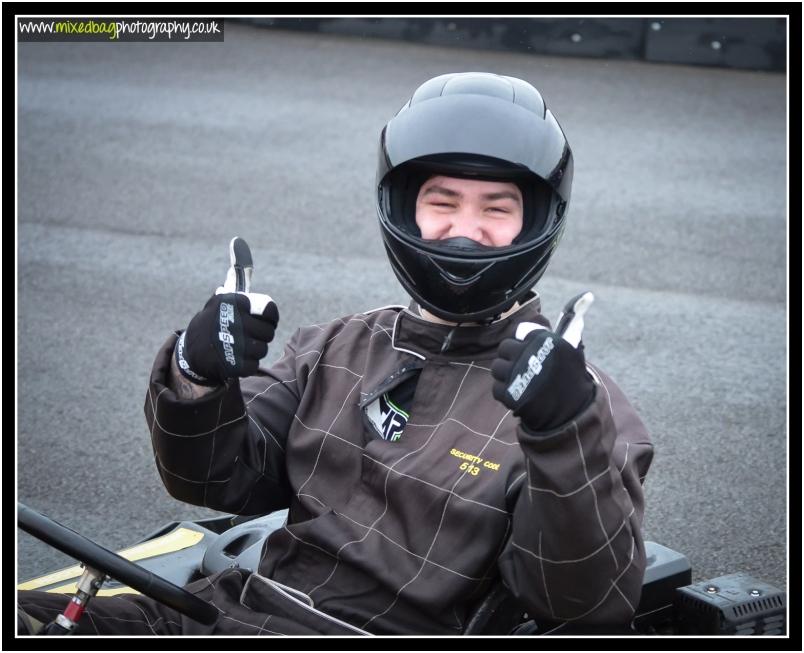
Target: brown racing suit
[405, 536]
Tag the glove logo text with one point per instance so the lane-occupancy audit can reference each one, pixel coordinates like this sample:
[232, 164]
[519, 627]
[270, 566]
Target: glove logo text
[535, 362]
[183, 364]
[227, 317]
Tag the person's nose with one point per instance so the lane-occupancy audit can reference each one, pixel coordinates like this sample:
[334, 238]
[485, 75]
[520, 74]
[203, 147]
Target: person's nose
[467, 225]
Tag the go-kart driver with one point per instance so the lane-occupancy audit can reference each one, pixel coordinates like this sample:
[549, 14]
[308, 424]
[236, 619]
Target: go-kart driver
[424, 452]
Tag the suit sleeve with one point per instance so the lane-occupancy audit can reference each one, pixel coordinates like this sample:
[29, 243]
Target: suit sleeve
[225, 450]
[576, 551]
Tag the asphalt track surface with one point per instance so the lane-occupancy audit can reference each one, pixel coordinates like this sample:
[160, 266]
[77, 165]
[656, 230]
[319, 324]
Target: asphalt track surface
[138, 162]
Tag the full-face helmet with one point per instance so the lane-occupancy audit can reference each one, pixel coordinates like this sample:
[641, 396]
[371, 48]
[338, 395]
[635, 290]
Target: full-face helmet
[476, 126]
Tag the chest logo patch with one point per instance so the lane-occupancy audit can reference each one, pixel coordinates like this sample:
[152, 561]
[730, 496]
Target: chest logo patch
[387, 418]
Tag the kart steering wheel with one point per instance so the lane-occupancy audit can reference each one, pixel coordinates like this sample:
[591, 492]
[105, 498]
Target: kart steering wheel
[97, 557]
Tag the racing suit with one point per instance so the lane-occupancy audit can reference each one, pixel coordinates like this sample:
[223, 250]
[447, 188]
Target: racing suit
[406, 536]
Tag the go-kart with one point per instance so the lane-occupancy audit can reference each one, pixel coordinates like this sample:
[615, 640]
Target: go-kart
[183, 551]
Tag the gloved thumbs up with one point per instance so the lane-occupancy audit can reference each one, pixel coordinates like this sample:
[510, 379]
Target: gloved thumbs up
[541, 374]
[238, 278]
[230, 335]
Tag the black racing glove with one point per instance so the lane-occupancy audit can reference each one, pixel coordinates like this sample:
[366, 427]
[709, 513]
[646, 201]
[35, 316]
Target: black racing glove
[542, 376]
[230, 335]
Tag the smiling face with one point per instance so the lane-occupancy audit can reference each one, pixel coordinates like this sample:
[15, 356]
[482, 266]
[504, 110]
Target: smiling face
[488, 212]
